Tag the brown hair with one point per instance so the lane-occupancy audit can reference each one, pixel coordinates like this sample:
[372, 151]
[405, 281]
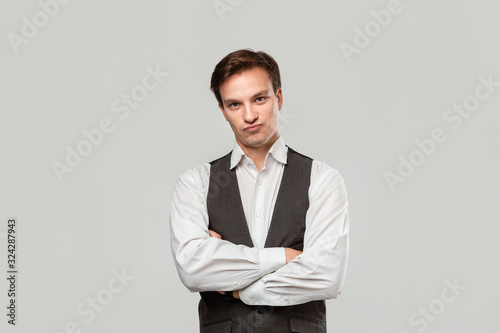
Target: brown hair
[239, 61]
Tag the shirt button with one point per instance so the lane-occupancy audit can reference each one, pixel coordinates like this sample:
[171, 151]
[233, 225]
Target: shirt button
[258, 245]
[259, 182]
[287, 301]
[252, 300]
[257, 213]
[235, 286]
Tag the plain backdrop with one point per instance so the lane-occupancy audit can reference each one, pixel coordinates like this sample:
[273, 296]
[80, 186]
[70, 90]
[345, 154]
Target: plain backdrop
[360, 112]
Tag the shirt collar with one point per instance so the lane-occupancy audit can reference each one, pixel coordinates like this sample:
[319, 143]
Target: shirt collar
[278, 151]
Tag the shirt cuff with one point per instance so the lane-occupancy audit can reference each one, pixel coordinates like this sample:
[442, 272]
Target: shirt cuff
[271, 258]
[254, 294]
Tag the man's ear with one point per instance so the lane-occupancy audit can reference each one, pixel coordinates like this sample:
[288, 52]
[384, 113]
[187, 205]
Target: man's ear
[279, 95]
[223, 111]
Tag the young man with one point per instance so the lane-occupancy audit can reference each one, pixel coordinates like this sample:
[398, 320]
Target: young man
[261, 233]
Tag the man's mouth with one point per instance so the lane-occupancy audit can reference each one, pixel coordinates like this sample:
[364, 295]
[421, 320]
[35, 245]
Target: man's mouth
[253, 128]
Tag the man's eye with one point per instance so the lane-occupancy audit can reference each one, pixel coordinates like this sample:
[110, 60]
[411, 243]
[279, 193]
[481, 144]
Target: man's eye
[233, 105]
[260, 99]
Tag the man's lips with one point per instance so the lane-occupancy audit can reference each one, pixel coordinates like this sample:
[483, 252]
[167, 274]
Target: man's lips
[253, 128]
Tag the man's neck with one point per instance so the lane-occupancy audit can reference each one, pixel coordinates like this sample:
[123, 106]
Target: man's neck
[258, 154]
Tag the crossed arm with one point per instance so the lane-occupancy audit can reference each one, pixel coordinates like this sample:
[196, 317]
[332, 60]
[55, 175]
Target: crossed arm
[290, 254]
[267, 276]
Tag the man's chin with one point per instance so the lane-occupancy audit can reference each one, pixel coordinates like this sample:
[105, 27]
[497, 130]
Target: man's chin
[253, 143]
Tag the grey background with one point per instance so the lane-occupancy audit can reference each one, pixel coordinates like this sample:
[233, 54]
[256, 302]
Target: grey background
[111, 212]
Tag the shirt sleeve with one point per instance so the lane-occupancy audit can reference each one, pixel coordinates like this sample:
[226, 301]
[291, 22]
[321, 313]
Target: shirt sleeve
[206, 263]
[319, 272]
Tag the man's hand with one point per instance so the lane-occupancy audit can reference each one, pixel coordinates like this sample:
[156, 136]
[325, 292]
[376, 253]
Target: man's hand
[236, 294]
[291, 254]
[214, 234]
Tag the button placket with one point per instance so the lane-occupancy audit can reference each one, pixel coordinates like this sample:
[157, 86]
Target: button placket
[258, 204]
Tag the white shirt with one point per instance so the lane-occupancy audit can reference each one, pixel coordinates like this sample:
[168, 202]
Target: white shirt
[260, 274]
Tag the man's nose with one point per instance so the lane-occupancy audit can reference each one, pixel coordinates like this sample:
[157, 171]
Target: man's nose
[250, 114]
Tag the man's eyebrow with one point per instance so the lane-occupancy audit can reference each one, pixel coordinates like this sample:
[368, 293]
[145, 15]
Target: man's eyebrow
[262, 92]
[259, 93]
[230, 101]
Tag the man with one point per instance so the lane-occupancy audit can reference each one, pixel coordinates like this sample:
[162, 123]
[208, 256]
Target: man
[262, 232]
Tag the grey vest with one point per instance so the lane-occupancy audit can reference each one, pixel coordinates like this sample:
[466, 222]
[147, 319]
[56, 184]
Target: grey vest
[219, 314]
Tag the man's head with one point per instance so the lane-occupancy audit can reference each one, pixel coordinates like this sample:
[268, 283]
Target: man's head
[247, 86]
[239, 61]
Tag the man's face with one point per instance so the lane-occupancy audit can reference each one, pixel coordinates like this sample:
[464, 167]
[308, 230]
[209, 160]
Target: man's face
[251, 107]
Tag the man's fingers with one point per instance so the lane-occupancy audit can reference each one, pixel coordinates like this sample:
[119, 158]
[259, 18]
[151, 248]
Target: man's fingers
[214, 234]
[236, 293]
[291, 254]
